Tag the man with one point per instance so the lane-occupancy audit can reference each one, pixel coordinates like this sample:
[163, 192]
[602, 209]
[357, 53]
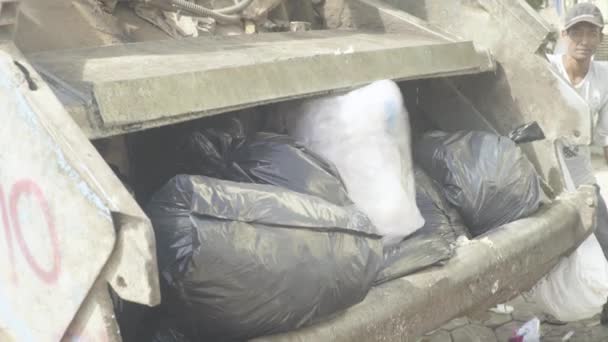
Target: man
[582, 35]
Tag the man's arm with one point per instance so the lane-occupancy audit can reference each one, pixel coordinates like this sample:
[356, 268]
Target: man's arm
[602, 129]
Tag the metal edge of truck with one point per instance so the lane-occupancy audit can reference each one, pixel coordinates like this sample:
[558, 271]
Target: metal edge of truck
[485, 271]
[98, 84]
[130, 268]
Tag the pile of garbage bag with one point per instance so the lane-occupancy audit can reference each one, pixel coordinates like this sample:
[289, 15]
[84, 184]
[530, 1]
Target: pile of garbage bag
[261, 233]
[485, 176]
[242, 260]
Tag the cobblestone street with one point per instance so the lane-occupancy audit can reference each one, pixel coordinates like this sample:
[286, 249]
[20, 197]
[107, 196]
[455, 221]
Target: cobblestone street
[494, 327]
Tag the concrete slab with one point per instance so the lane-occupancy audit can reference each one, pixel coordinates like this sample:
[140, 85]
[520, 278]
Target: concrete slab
[135, 86]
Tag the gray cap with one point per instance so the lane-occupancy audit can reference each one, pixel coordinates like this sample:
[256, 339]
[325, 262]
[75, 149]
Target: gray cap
[584, 12]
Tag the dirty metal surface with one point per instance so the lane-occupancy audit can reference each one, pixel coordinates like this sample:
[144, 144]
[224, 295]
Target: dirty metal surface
[131, 270]
[92, 322]
[57, 230]
[134, 86]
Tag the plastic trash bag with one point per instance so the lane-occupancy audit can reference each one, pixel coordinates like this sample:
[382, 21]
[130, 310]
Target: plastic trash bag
[131, 317]
[577, 288]
[529, 332]
[366, 134]
[263, 158]
[434, 243]
[437, 212]
[527, 133]
[242, 260]
[168, 333]
[205, 149]
[485, 176]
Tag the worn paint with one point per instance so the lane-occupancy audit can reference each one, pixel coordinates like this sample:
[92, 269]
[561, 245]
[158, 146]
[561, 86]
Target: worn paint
[9, 85]
[52, 220]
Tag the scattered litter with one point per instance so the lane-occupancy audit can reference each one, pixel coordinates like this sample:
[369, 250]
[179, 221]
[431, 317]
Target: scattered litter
[529, 332]
[503, 309]
[346, 51]
[495, 287]
[568, 336]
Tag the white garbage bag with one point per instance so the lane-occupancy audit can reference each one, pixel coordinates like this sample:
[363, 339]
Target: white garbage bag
[577, 288]
[366, 134]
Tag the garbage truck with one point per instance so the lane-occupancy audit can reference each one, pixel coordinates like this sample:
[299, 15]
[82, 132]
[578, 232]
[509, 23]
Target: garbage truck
[84, 82]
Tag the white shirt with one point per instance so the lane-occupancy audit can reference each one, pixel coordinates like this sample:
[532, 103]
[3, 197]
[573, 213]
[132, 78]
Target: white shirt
[594, 90]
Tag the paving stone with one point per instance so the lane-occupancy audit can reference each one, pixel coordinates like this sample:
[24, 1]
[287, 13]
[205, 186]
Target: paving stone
[456, 323]
[495, 320]
[479, 317]
[551, 332]
[431, 332]
[517, 301]
[580, 336]
[438, 336]
[599, 333]
[525, 312]
[592, 323]
[506, 331]
[473, 333]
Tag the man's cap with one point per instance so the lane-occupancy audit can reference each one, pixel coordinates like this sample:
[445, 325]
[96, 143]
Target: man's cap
[584, 12]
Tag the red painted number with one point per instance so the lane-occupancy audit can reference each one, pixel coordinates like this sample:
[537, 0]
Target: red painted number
[12, 228]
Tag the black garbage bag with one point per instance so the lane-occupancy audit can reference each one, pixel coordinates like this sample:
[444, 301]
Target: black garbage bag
[205, 149]
[129, 316]
[431, 245]
[485, 176]
[276, 159]
[242, 260]
[225, 152]
[527, 133]
[167, 332]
